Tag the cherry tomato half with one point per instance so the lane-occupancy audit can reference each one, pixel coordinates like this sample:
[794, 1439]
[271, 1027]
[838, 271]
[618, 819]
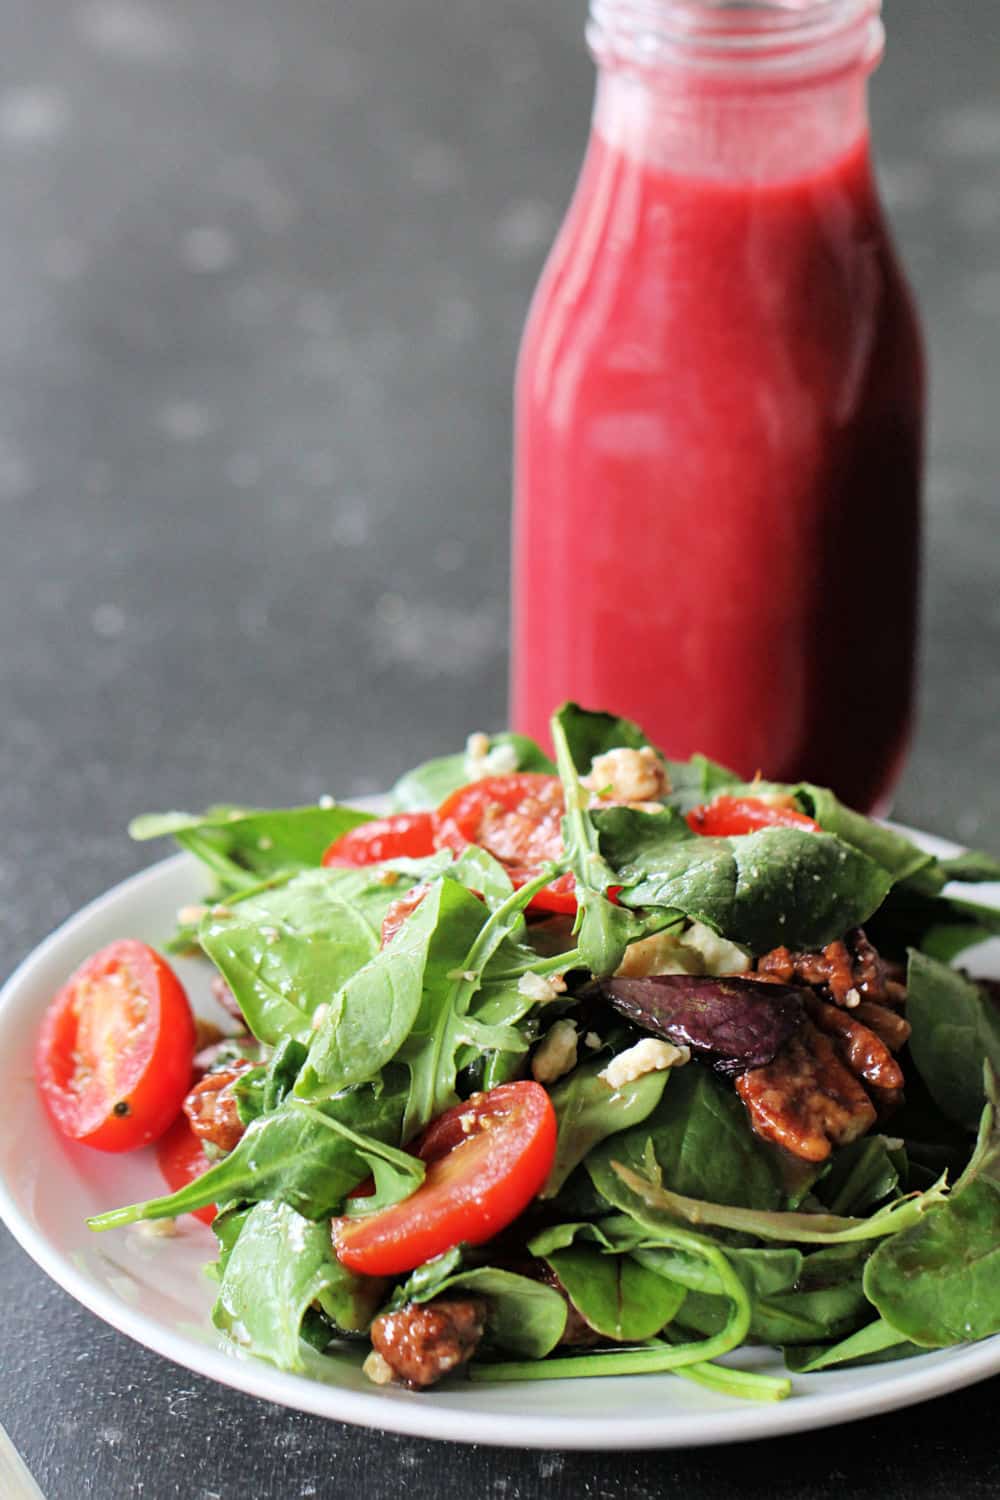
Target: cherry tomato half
[180, 1158]
[114, 1054]
[486, 1159]
[727, 817]
[518, 820]
[409, 835]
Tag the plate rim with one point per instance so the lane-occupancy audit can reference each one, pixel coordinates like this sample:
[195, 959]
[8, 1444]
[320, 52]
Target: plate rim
[414, 1414]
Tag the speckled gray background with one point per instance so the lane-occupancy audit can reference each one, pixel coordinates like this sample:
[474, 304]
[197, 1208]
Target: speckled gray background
[264, 270]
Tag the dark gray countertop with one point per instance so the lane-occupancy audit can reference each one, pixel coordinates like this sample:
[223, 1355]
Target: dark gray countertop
[265, 270]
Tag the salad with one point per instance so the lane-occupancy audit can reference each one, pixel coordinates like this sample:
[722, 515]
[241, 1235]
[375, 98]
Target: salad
[599, 1067]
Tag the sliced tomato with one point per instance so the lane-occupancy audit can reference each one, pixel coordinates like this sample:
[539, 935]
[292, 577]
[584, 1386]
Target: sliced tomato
[114, 1055]
[409, 835]
[517, 819]
[728, 817]
[486, 1160]
[181, 1158]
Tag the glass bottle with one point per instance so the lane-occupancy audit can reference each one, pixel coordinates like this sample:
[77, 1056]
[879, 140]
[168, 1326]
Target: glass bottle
[719, 405]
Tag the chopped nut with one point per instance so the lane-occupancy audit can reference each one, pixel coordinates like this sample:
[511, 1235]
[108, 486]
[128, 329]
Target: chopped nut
[378, 1369]
[625, 776]
[806, 1100]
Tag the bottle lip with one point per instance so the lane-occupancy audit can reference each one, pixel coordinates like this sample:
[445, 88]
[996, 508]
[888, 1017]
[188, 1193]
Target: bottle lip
[740, 37]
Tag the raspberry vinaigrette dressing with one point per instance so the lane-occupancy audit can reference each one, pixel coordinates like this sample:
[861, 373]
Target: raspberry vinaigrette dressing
[719, 406]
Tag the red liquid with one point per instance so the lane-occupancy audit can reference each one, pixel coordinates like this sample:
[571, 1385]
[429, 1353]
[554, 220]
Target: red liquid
[719, 420]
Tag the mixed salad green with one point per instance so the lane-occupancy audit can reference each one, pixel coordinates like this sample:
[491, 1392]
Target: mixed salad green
[731, 1158]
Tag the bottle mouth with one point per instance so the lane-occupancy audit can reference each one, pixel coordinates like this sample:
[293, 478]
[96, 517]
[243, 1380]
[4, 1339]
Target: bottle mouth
[738, 36]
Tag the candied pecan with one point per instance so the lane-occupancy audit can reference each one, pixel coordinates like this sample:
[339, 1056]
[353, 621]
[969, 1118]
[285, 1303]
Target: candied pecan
[867, 1056]
[806, 1100]
[425, 1340]
[885, 1023]
[212, 1110]
[848, 971]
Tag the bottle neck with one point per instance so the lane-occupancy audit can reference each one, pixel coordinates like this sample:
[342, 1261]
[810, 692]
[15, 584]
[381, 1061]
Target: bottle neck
[749, 91]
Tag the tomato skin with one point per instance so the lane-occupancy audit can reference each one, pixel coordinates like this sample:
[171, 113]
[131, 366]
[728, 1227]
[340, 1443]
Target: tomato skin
[728, 817]
[481, 1175]
[518, 820]
[181, 1159]
[403, 835]
[114, 1055]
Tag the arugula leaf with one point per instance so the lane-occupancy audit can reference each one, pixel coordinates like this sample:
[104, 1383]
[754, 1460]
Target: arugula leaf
[699, 1138]
[617, 1296]
[603, 928]
[955, 1027]
[308, 1156]
[938, 1282]
[243, 846]
[525, 1316]
[279, 1266]
[287, 950]
[761, 890]
[589, 1111]
[444, 1024]
[426, 786]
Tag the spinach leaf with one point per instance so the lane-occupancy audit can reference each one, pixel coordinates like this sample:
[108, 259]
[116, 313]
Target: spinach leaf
[589, 1111]
[280, 1265]
[761, 890]
[862, 1175]
[603, 928]
[587, 733]
[617, 1296]
[699, 1138]
[938, 1283]
[525, 1316]
[941, 926]
[826, 1302]
[244, 846]
[972, 867]
[371, 1016]
[426, 786]
[892, 850]
[308, 1156]
[870, 1345]
[285, 951]
[955, 1027]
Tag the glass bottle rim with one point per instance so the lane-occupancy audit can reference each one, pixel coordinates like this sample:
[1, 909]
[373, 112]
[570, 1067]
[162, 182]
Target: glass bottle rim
[784, 36]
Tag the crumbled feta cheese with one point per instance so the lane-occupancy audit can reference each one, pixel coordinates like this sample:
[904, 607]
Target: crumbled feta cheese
[378, 1370]
[648, 1056]
[663, 953]
[156, 1229]
[541, 987]
[630, 776]
[187, 916]
[555, 1054]
[718, 955]
[326, 802]
[592, 1040]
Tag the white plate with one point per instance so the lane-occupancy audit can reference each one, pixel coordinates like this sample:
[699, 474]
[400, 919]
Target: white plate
[154, 1289]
